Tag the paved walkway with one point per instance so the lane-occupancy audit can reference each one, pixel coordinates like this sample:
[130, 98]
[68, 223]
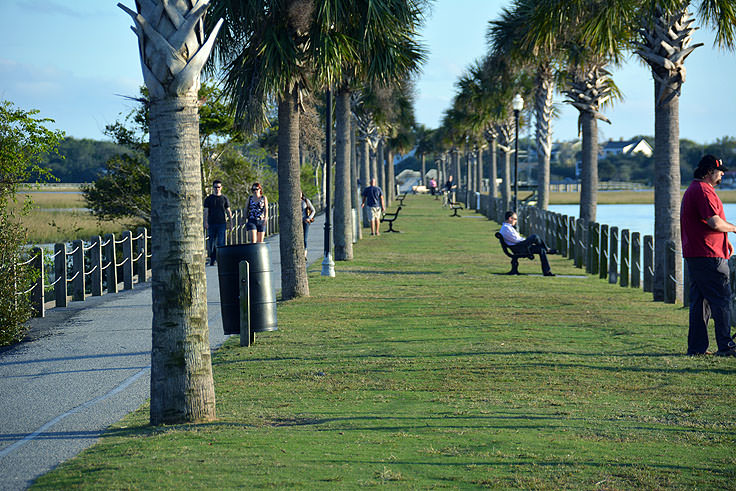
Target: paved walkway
[86, 366]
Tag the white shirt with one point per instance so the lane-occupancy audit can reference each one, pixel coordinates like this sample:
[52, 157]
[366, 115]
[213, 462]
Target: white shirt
[510, 235]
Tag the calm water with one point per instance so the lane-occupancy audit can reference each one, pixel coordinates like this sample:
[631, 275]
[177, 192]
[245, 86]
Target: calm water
[636, 218]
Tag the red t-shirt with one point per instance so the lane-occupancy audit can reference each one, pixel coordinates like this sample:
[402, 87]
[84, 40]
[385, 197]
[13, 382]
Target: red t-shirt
[699, 203]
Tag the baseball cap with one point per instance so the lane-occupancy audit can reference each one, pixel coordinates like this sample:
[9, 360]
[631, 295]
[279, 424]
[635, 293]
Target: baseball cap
[710, 162]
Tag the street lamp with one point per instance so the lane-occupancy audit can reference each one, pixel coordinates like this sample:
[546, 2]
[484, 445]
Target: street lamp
[328, 266]
[517, 104]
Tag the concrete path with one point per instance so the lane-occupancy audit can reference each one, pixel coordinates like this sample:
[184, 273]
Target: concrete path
[86, 366]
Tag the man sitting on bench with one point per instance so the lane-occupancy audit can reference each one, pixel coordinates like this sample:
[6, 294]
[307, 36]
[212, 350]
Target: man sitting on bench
[519, 245]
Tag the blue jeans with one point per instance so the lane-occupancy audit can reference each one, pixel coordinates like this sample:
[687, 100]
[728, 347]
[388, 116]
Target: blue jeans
[305, 224]
[710, 294]
[217, 238]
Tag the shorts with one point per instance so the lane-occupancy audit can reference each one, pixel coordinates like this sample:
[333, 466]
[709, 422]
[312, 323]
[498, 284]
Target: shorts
[375, 212]
[257, 225]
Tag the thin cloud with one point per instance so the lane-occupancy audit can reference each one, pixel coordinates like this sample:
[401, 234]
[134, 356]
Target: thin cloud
[52, 7]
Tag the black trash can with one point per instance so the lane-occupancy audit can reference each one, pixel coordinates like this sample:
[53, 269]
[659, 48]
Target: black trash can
[262, 297]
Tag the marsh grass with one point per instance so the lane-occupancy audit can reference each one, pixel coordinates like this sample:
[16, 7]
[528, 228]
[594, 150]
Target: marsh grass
[419, 365]
[58, 214]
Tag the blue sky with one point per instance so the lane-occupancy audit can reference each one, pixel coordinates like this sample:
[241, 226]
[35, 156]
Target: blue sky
[73, 59]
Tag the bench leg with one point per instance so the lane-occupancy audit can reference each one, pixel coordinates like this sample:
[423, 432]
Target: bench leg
[514, 266]
[391, 227]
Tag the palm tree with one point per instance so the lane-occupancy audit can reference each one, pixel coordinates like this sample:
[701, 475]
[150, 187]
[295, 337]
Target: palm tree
[507, 37]
[275, 49]
[173, 50]
[560, 27]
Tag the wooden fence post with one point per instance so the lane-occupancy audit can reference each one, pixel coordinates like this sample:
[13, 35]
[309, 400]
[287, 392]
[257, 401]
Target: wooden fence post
[571, 238]
[111, 267]
[635, 260]
[562, 230]
[648, 263]
[127, 260]
[77, 270]
[579, 243]
[603, 259]
[613, 256]
[60, 288]
[670, 282]
[37, 293]
[594, 245]
[95, 263]
[142, 262]
[625, 262]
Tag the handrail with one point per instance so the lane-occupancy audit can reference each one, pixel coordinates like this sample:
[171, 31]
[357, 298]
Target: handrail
[58, 263]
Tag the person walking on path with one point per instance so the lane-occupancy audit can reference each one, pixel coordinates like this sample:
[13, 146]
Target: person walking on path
[308, 213]
[216, 214]
[257, 213]
[531, 245]
[373, 197]
[706, 250]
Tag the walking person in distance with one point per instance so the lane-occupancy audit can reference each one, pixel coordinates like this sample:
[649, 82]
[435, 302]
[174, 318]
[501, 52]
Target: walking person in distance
[255, 226]
[373, 198]
[216, 214]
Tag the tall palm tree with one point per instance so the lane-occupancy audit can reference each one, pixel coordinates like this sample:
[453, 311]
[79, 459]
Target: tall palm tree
[561, 28]
[173, 50]
[508, 39]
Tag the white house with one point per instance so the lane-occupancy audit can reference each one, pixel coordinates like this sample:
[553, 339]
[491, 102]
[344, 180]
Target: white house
[630, 147]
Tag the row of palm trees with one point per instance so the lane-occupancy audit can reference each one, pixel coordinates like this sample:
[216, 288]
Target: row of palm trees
[285, 50]
[538, 47]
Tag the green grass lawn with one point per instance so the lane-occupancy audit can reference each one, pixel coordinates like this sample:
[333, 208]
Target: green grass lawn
[420, 366]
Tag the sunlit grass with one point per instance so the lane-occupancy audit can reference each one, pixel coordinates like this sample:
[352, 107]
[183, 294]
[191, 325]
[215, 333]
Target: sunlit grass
[419, 365]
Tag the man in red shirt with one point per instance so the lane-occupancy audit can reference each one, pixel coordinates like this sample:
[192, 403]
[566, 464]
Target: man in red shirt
[706, 250]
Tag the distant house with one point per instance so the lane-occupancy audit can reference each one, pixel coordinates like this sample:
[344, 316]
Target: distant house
[630, 147]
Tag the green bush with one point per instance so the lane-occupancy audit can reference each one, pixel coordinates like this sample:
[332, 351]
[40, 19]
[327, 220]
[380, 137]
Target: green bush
[24, 141]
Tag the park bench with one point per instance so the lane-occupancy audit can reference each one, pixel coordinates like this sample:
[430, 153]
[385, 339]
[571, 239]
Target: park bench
[390, 218]
[514, 256]
[400, 198]
[454, 206]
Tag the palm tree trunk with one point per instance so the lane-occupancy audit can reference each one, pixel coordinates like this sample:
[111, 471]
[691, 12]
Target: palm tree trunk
[173, 50]
[479, 169]
[456, 165]
[666, 190]
[423, 181]
[380, 171]
[354, 177]
[589, 170]
[182, 388]
[543, 111]
[342, 216]
[364, 151]
[493, 168]
[294, 281]
[390, 178]
[506, 189]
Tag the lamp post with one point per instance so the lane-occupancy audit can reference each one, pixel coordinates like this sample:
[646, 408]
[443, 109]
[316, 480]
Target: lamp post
[517, 104]
[328, 266]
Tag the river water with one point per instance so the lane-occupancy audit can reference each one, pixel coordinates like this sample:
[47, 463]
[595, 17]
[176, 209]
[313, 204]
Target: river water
[636, 218]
